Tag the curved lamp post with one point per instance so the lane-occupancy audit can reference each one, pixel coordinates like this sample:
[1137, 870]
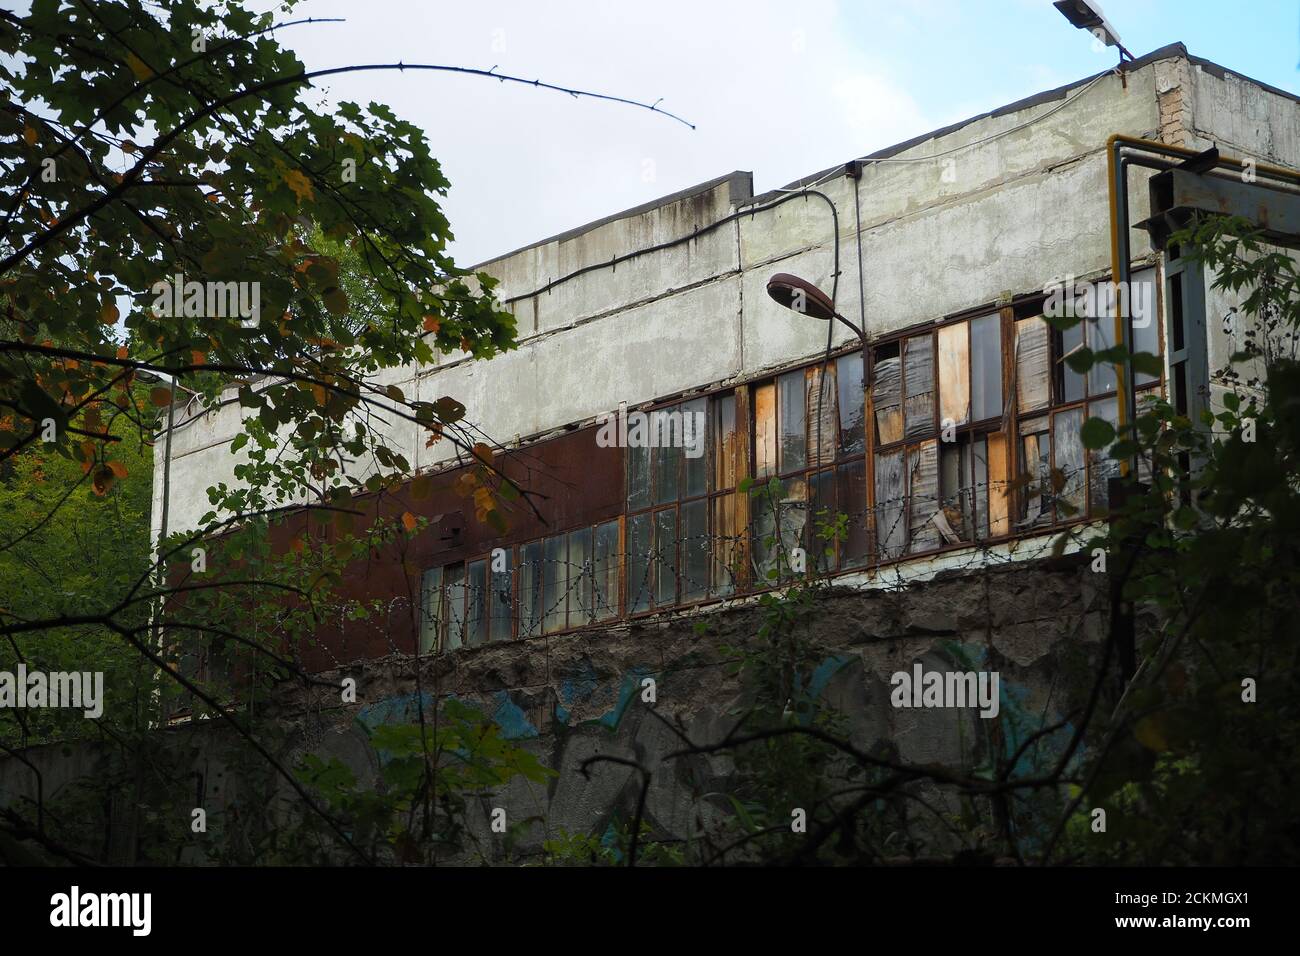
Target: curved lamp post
[800, 295]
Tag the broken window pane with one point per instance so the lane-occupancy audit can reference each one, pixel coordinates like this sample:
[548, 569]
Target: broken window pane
[1102, 467]
[1071, 475]
[1032, 357]
[665, 429]
[1069, 382]
[918, 381]
[605, 571]
[855, 549]
[954, 373]
[640, 571]
[891, 511]
[476, 621]
[530, 591]
[580, 607]
[986, 367]
[557, 585]
[666, 557]
[638, 478]
[887, 395]
[851, 399]
[454, 583]
[695, 550]
[1036, 466]
[765, 431]
[792, 421]
[726, 457]
[430, 610]
[923, 494]
[726, 545]
[502, 598]
[955, 519]
[695, 447]
[823, 419]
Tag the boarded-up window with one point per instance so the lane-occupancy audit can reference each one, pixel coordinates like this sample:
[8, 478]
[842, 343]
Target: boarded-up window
[986, 367]
[765, 431]
[923, 494]
[887, 396]
[848, 376]
[918, 383]
[726, 545]
[1033, 353]
[791, 420]
[891, 504]
[605, 571]
[954, 373]
[823, 419]
[999, 485]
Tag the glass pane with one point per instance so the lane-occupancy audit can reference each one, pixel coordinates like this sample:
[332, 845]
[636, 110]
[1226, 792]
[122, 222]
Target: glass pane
[556, 574]
[605, 571]
[430, 610]
[1142, 319]
[763, 542]
[851, 501]
[793, 522]
[1072, 475]
[726, 459]
[1101, 336]
[823, 419]
[980, 464]
[792, 422]
[923, 495]
[1069, 381]
[848, 376]
[454, 583]
[695, 433]
[765, 431]
[821, 523]
[955, 517]
[666, 436]
[726, 545]
[1101, 467]
[476, 621]
[1032, 358]
[502, 595]
[530, 591]
[887, 396]
[695, 550]
[580, 608]
[918, 381]
[986, 367]
[891, 510]
[638, 478]
[640, 579]
[666, 558]
[954, 373]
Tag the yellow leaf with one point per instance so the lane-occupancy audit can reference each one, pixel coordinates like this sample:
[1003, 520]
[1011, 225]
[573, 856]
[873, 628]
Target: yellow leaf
[300, 184]
[319, 392]
[483, 452]
[138, 67]
[29, 135]
[1150, 732]
[409, 521]
[108, 315]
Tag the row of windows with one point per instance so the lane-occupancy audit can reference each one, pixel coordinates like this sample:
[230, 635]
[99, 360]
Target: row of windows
[925, 459]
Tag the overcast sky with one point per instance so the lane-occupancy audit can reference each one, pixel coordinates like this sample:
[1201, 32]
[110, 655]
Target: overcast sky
[780, 88]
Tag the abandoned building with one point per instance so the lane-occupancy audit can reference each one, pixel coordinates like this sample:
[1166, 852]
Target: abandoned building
[935, 433]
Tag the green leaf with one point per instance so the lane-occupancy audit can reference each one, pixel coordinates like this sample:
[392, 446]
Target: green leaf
[1097, 433]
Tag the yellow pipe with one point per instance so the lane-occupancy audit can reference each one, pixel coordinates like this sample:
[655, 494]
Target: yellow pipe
[1112, 181]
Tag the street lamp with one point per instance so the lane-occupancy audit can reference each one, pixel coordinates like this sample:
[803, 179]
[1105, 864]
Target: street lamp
[800, 295]
[1087, 15]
